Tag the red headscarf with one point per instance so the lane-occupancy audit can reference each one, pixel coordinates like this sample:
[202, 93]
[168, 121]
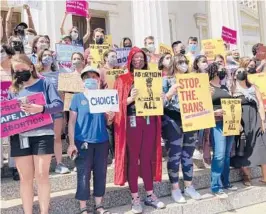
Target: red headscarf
[123, 85]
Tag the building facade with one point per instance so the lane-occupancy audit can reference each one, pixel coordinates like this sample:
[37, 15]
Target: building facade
[167, 21]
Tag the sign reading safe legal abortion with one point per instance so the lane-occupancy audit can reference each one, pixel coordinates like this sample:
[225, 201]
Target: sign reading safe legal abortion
[149, 85]
[14, 120]
[4, 90]
[101, 101]
[78, 8]
[231, 116]
[195, 101]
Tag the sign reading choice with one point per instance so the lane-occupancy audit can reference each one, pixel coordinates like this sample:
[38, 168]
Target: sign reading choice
[101, 101]
[195, 101]
[14, 120]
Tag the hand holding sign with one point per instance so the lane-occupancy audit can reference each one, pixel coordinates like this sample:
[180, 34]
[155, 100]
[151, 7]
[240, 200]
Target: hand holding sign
[134, 93]
[32, 108]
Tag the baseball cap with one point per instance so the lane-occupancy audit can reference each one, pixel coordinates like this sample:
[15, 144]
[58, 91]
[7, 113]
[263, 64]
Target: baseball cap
[89, 69]
[22, 24]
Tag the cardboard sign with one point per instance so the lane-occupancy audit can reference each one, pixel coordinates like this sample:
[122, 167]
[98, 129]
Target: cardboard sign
[14, 120]
[229, 35]
[112, 75]
[261, 53]
[19, 3]
[70, 82]
[101, 101]
[77, 8]
[4, 90]
[67, 101]
[212, 47]
[97, 52]
[122, 55]
[149, 84]
[165, 49]
[108, 40]
[260, 81]
[195, 101]
[231, 116]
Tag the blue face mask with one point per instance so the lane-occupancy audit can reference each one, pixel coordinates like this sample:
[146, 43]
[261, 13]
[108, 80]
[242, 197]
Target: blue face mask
[91, 83]
[192, 47]
[48, 60]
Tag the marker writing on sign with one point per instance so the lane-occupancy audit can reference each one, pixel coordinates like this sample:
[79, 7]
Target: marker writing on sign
[109, 100]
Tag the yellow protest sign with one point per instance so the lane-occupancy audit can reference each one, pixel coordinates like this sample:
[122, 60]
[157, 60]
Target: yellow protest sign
[97, 52]
[153, 66]
[70, 82]
[195, 101]
[111, 76]
[212, 47]
[232, 112]
[108, 40]
[165, 49]
[67, 101]
[260, 81]
[149, 85]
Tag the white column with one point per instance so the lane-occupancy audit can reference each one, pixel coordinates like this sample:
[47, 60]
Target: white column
[150, 18]
[262, 19]
[225, 13]
[112, 18]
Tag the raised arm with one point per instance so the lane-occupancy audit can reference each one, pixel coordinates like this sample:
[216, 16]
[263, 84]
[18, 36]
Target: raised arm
[63, 24]
[9, 22]
[87, 35]
[1, 28]
[30, 21]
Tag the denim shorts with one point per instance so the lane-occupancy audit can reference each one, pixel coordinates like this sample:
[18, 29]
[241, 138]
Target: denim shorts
[58, 115]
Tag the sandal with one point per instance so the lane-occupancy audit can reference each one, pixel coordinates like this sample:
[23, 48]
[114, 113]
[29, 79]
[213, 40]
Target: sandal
[100, 206]
[246, 180]
[85, 209]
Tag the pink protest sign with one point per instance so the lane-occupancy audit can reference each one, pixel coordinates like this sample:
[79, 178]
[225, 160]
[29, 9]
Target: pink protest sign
[78, 8]
[4, 90]
[14, 121]
[229, 35]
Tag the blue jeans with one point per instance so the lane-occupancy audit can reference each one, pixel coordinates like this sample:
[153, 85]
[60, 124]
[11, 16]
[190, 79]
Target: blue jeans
[220, 168]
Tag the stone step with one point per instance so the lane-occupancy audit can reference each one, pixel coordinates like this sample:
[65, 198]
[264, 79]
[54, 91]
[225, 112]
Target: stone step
[64, 202]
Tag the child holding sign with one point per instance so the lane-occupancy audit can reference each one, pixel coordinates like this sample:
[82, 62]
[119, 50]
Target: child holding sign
[88, 143]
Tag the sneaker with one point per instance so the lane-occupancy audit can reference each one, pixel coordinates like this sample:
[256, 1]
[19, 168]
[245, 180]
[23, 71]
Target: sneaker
[75, 169]
[178, 197]
[61, 169]
[197, 155]
[15, 174]
[231, 188]
[153, 201]
[192, 193]
[221, 195]
[136, 206]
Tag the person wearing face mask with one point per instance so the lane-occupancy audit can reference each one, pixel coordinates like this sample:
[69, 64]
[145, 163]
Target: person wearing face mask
[192, 49]
[98, 36]
[250, 145]
[165, 63]
[17, 45]
[77, 60]
[33, 159]
[47, 69]
[28, 40]
[222, 145]
[200, 64]
[178, 143]
[149, 44]
[74, 32]
[126, 43]
[227, 81]
[178, 47]
[137, 139]
[89, 143]
[248, 64]
[39, 43]
[233, 60]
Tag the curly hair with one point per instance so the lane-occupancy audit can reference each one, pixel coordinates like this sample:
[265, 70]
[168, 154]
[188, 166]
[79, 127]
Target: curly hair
[255, 48]
[212, 70]
[196, 61]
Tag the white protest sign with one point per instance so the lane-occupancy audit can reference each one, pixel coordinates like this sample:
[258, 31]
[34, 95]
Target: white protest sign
[19, 3]
[101, 101]
[64, 52]
[122, 54]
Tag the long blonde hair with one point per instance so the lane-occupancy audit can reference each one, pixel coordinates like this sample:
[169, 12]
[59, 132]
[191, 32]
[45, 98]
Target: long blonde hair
[175, 62]
[20, 58]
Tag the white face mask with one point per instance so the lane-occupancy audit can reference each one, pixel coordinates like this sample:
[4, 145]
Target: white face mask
[203, 67]
[166, 62]
[74, 35]
[183, 67]
[29, 38]
[151, 47]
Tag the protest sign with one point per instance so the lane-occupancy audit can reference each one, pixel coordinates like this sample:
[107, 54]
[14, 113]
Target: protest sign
[14, 120]
[229, 35]
[112, 75]
[70, 82]
[108, 40]
[195, 101]
[122, 54]
[77, 8]
[212, 47]
[259, 80]
[149, 85]
[153, 66]
[232, 112]
[67, 101]
[101, 101]
[165, 49]
[4, 89]
[19, 3]
[261, 53]
[97, 52]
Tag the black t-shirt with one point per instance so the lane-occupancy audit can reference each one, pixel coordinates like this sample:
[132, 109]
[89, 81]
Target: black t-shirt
[219, 93]
[131, 108]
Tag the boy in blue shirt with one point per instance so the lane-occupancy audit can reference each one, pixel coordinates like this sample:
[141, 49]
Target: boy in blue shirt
[89, 143]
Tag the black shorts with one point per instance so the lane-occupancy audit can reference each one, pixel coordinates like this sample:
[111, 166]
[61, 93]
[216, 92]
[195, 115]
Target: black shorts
[41, 145]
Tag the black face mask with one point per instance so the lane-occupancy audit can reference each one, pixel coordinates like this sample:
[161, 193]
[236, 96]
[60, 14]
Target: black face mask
[17, 45]
[22, 76]
[241, 76]
[252, 71]
[19, 31]
[127, 46]
[222, 74]
[99, 41]
[183, 51]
